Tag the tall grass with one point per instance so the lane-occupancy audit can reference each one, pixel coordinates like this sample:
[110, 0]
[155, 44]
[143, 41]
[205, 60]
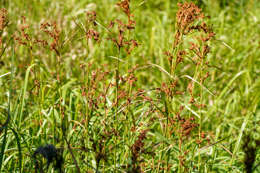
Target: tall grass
[129, 86]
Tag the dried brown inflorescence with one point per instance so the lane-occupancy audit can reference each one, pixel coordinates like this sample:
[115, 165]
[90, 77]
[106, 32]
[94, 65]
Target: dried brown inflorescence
[187, 125]
[121, 40]
[137, 149]
[91, 24]
[23, 37]
[125, 5]
[96, 90]
[187, 13]
[51, 29]
[190, 20]
[3, 22]
[3, 18]
[170, 89]
[190, 23]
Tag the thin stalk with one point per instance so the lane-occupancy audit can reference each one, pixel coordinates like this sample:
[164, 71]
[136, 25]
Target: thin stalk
[200, 119]
[200, 122]
[117, 88]
[117, 80]
[174, 51]
[173, 68]
[72, 155]
[180, 149]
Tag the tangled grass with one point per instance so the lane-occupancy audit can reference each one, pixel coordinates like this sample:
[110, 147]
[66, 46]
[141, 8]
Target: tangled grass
[129, 86]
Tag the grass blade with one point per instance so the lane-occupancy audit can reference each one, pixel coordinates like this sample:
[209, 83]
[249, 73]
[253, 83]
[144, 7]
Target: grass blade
[19, 148]
[3, 148]
[24, 92]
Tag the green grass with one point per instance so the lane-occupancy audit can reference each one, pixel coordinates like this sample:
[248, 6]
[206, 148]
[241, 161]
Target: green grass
[46, 110]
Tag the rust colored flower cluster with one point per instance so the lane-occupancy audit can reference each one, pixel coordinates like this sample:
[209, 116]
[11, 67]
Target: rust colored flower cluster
[136, 149]
[121, 41]
[3, 22]
[187, 125]
[190, 25]
[170, 89]
[96, 94]
[139, 144]
[23, 37]
[187, 14]
[92, 33]
[125, 5]
[52, 30]
[91, 17]
[3, 18]
[125, 82]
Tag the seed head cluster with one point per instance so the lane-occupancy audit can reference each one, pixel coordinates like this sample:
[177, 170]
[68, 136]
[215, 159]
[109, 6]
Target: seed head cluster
[3, 22]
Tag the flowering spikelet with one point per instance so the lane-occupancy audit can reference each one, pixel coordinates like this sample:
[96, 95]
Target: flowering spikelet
[187, 14]
[52, 30]
[3, 18]
[91, 24]
[125, 6]
[3, 22]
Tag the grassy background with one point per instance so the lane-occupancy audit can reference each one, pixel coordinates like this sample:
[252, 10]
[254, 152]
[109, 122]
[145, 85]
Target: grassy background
[38, 116]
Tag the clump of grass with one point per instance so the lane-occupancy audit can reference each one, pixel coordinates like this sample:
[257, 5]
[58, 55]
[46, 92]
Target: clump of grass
[121, 39]
[190, 25]
[113, 116]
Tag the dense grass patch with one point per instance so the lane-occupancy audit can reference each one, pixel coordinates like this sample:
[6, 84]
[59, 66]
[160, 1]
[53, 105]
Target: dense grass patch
[150, 86]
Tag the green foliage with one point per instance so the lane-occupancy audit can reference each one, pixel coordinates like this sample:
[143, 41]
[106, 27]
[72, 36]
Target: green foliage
[106, 107]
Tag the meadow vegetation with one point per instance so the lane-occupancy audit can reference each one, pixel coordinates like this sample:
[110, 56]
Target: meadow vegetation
[130, 86]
